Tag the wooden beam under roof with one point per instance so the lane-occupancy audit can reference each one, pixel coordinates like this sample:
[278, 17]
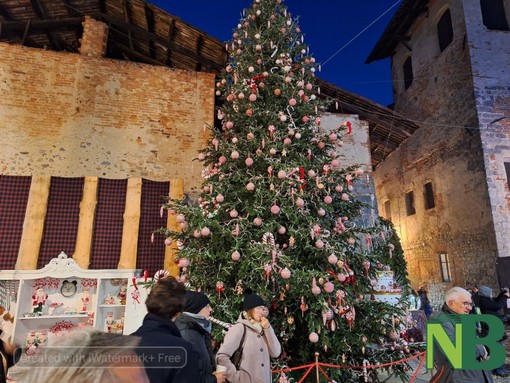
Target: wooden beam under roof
[73, 12]
[171, 34]
[138, 56]
[41, 25]
[127, 17]
[149, 18]
[42, 14]
[4, 13]
[198, 48]
[160, 40]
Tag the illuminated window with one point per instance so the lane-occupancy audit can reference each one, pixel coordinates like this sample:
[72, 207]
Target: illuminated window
[444, 263]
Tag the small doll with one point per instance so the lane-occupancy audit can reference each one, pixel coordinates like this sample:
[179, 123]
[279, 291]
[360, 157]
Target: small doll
[122, 294]
[85, 300]
[109, 300]
[38, 301]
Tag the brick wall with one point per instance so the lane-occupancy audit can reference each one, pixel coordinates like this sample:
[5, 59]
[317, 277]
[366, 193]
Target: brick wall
[71, 115]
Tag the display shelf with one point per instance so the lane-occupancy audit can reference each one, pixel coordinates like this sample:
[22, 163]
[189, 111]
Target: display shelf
[55, 317]
[61, 287]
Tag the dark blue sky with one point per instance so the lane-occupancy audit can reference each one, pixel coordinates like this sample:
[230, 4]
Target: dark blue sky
[328, 25]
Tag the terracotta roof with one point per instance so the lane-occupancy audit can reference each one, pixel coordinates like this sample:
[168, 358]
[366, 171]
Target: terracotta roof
[142, 32]
[397, 29]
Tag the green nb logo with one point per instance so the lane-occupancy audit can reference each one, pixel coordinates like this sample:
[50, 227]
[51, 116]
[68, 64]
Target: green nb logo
[462, 351]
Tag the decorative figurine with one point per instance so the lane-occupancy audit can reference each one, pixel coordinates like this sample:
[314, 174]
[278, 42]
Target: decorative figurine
[38, 301]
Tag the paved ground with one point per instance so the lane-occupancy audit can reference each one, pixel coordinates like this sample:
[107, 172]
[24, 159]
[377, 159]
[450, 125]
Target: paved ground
[424, 375]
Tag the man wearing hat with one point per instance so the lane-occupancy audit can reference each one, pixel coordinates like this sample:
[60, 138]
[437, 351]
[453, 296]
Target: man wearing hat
[254, 334]
[196, 329]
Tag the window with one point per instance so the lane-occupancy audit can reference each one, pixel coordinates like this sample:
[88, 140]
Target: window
[445, 30]
[410, 203]
[408, 72]
[387, 210]
[429, 196]
[444, 263]
[507, 170]
[493, 15]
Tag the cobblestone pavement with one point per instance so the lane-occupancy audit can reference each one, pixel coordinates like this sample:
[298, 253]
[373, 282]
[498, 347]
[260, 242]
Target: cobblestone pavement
[424, 375]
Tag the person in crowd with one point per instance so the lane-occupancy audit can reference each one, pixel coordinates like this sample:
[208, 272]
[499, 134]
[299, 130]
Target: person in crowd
[503, 296]
[167, 357]
[6, 354]
[493, 307]
[414, 301]
[425, 303]
[196, 329]
[84, 356]
[254, 333]
[475, 297]
[457, 301]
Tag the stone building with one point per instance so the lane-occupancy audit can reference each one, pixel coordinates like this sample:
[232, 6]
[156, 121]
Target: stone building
[446, 188]
[103, 109]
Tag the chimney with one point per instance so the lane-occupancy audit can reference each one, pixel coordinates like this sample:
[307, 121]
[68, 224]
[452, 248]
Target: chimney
[94, 39]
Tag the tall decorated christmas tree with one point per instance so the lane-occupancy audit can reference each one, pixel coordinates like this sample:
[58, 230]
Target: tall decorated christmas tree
[277, 214]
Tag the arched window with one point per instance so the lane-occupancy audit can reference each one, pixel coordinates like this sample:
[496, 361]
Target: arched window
[493, 14]
[445, 30]
[408, 72]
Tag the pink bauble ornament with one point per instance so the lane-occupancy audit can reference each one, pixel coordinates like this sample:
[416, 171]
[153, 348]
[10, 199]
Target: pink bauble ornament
[316, 290]
[275, 209]
[272, 151]
[282, 230]
[180, 218]
[250, 136]
[345, 197]
[328, 199]
[220, 198]
[339, 188]
[253, 97]
[287, 141]
[335, 163]
[350, 188]
[168, 241]
[285, 273]
[183, 225]
[249, 161]
[236, 255]
[277, 92]
[300, 202]
[197, 234]
[329, 287]
[305, 119]
[250, 186]
[321, 145]
[234, 140]
[201, 156]
[311, 173]
[313, 337]
[234, 155]
[183, 262]
[292, 102]
[229, 125]
[309, 86]
[282, 174]
[332, 259]
[290, 132]
[330, 314]
[205, 231]
[341, 277]
[233, 213]
[257, 221]
[333, 137]
[222, 159]
[351, 241]
[319, 244]
[321, 212]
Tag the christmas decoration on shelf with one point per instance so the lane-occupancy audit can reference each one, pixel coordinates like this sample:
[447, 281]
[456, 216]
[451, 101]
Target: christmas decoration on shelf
[277, 212]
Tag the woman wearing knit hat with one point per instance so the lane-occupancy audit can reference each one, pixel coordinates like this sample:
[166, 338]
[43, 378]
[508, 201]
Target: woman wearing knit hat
[254, 334]
[196, 329]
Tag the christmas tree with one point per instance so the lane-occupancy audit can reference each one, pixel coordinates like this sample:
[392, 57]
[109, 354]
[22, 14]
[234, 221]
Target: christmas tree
[279, 215]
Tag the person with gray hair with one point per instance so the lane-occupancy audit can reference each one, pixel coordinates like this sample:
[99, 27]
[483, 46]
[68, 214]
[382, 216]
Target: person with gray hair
[84, 356]
[457, 301]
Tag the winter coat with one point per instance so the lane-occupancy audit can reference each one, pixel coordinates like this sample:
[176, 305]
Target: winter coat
[441, 362]
[167, 357]
[192, 329]
[258, 348]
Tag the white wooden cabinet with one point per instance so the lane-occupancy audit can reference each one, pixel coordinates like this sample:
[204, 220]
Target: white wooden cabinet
[99, 298]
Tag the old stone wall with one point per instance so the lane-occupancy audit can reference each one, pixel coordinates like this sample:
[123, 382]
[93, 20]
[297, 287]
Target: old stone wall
[492, 92]
[446, 152]
[71, 115]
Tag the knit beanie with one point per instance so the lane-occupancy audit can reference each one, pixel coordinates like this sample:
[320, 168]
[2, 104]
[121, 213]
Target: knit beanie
[195, 301]
[252, 300]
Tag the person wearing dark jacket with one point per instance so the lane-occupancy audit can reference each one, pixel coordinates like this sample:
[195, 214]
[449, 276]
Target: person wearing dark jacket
[457, 301]
[167, 357]
[196, 329]
[493, 307]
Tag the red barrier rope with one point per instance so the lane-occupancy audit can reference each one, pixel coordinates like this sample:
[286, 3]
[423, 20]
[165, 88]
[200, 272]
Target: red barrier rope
[319, 367]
